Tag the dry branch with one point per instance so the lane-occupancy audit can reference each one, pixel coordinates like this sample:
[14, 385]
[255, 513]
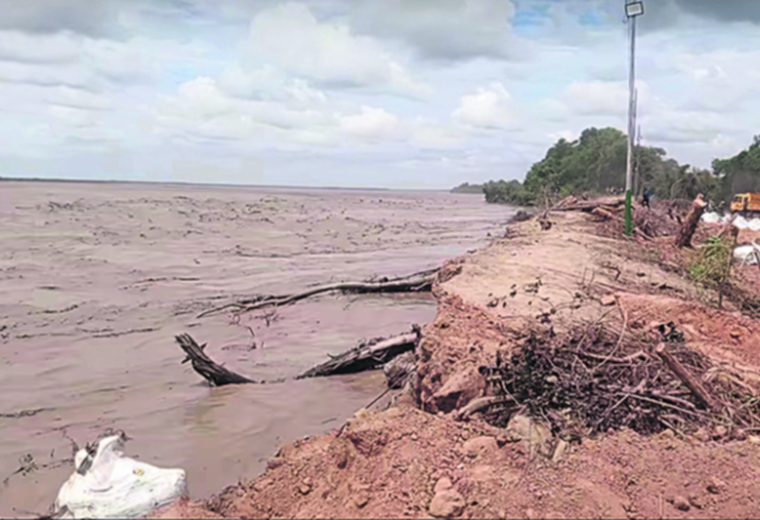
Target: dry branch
[690, 224]
[479, 404]
[681, 373]
[215, 374]
[418, 282]
[366, 356]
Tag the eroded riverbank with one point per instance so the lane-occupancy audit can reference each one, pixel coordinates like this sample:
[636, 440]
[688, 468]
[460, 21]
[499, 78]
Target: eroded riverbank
[406, 462]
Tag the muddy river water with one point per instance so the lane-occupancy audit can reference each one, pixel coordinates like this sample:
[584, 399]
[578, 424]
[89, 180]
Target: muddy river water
[96, 279]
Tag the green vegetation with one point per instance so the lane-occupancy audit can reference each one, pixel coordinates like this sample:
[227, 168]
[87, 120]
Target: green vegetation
[468, 188]
[709, 267]
[740, 173]
[595, 164]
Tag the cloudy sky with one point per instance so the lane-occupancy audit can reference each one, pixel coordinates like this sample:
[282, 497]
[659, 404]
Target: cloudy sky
[391, 93]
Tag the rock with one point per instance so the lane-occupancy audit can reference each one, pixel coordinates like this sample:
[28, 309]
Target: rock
[535, 436]
[697, 501]
[275, 462]
[681, 503]
[559, 451]
[399, 369]
[608, 300]
[360, 498]
[447, 502]
[719, 432]
[414, 437]
[715, 485]
[443, 484]
[305, 487]
[459, 389]
[702, 434]
[480, 446]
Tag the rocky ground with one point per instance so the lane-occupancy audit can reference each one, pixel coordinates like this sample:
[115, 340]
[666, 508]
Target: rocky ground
[417, 459]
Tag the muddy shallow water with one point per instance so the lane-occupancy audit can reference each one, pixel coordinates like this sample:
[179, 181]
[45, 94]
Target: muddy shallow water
[97, 279]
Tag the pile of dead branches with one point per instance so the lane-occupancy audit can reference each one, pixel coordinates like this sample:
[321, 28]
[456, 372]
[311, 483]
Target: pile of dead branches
[649, 223]
[593, 380]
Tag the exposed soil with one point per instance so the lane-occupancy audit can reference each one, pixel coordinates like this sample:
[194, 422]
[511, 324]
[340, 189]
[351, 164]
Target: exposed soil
[415, 459]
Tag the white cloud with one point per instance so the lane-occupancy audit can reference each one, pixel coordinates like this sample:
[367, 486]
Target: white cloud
[489, 108]
[370, 123]
[291, 38]
[443, 30]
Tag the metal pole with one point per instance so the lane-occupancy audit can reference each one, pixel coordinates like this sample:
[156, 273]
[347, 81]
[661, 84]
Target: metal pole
[629, 162]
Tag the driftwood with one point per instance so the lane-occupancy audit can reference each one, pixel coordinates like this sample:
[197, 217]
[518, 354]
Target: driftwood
[690, 224]
[366, 356]
[681, 373]
[215, 374]
[418, 282]
[608, 204]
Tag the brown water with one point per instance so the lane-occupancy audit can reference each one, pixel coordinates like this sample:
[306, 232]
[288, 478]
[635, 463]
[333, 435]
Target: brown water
[96, 279]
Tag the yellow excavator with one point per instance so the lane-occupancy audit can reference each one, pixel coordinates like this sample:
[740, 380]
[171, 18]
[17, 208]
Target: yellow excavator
[747, 204]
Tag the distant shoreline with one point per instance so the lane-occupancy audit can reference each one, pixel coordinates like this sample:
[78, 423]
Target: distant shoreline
[210, 184]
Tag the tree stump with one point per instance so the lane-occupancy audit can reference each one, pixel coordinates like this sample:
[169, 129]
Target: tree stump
[692, 220]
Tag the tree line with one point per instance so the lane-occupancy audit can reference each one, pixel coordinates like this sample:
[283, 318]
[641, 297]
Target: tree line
[595, 163]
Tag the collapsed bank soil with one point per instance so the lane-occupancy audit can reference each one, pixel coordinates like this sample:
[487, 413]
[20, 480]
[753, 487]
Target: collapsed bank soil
[415, 459]
[98, 278]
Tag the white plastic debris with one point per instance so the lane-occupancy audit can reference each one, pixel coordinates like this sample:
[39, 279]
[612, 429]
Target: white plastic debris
[106, 484]
[747, 254]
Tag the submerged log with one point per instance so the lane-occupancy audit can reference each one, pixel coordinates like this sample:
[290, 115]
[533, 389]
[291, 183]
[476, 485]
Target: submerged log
[418, 282]
[690, 224]
[367, 356]
[215, 374]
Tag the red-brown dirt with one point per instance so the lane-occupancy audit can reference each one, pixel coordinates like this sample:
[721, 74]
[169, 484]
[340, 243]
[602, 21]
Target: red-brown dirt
[415, 460]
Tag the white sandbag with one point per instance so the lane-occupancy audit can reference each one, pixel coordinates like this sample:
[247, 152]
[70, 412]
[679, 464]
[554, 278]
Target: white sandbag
[747, 254]
[710, 217]
[740, 222]
[107, 484]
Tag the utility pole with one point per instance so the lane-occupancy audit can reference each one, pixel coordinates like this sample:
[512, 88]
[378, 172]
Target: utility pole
[633, 9]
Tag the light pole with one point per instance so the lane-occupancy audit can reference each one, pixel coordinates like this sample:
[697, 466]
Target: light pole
[633, 9]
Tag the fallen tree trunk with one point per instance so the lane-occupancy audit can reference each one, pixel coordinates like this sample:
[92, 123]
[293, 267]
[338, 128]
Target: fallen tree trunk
[215, 374]
[681, 373]
[418, 282]
[367, 356]
[591, 205]
[690, 224]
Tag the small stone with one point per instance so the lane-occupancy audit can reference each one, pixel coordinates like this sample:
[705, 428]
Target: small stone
[305, 490]
[275, 462]
[715, 485]
[360, 499]
[608, 300]
[443, 484]
[552, 380]
[530, 514]
[681, 503]
[719, 432]
[447, 504]
[736, 334]
[559, 451]
[480, 446]
[414, 437]
[697, 501]
[702, 434]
